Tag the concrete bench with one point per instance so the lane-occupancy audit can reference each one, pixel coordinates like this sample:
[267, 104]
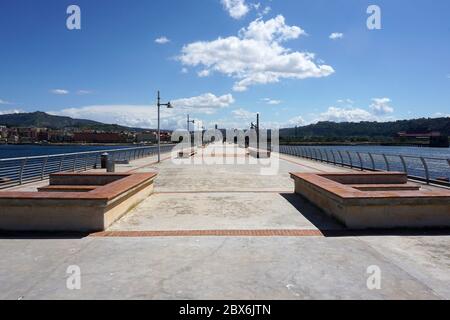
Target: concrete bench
[111, 196]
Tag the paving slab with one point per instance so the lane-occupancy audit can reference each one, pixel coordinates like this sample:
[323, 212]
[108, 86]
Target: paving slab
[204, 268]
[221, 211]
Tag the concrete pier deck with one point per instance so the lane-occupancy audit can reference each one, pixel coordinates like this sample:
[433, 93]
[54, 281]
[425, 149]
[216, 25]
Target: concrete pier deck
[225, 231]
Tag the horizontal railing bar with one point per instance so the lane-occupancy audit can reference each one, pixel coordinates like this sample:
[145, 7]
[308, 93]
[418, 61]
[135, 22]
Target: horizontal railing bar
[83, 153]
[25, 170]
[431, 167]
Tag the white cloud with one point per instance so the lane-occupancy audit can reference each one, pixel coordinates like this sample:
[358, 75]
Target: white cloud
[256, 55]
[205, 103]
[59, 91]
[242, 114]
[4, 102]
[83, 92]
[145, 116]
[10, 111]
[296, 121]
[272, 101]
[162, 40]
[346, 101]
[441, 115]
[236, 8]
[380, 106]
[265, 11]
[336, 35]
[204, 73]
[336, 114]
[184, 70]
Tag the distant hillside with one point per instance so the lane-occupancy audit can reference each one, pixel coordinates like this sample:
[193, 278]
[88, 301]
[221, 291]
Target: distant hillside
[368, 129]
[44, 120]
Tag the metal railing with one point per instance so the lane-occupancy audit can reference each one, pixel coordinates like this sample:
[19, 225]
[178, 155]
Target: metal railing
[426, 169]
[17, 171]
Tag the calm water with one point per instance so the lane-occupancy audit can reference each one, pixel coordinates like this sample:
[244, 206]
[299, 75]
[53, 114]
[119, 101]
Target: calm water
[17, 151]
[408, 151]
[438, 166]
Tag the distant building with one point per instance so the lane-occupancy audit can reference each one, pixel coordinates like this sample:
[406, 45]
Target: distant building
[99, 137]
[147, 137]
[3, 134]
[431, 138]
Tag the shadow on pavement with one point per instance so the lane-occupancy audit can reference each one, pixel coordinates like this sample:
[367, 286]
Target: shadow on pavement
[330, 227]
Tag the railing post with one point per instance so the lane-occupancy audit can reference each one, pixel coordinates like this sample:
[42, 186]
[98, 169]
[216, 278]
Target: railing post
[334, 158]
[427, 172]
[61, 164]
[360, 161]
[405, 168]
[373, 162]
[22, 168]
[44, 163]
[75, 163]
[387, 162]
[342, 158]
[95, 161]
[350, 159]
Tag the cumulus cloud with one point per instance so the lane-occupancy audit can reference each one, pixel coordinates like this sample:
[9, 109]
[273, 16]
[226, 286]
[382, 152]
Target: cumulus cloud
[242, 114]
[272, 101]
[337, 114]
[380, 106]
[4, 102]
[205, 103]
[84, 92]
[145, 116]
[237, 9]
[296, 121]
[10, 111]
[204, 73]
[162, 40]
[60, 91]
[336, 35]
[346, 101]
[256, 55]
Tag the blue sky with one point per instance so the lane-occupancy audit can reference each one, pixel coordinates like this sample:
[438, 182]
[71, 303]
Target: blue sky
[224, 60]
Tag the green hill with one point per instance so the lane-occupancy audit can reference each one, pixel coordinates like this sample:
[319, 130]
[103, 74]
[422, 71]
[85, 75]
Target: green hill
[329, 131]
[44, 120]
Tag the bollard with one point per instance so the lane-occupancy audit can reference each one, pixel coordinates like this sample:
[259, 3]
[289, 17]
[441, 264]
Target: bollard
[110, 166]
[104, 160]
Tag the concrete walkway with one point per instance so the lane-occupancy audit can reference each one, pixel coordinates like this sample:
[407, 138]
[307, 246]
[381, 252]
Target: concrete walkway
[220, 198]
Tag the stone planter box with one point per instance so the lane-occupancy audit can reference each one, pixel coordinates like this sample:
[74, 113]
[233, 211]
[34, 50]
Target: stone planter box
[75, 202]
[375, 200]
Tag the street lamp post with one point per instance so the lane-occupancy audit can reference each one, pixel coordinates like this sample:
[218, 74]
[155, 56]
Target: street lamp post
[188, 129]
[256, 127]
[189, 122]
[169, 106]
